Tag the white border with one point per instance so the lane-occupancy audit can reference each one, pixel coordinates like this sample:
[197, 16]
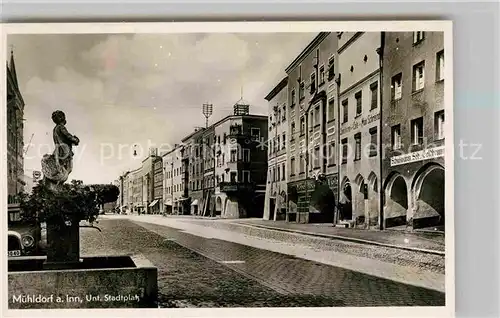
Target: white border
[251, 27]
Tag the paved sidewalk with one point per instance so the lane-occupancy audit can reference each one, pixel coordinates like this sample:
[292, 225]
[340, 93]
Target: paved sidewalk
[428, 242]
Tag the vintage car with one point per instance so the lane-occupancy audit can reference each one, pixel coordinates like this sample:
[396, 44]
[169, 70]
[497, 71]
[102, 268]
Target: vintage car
[25, 238]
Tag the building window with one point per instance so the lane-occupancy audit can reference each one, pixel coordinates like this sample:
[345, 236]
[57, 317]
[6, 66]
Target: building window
[331, 109]
[344, 150]
[357, 146]
[284, 141]
[374, 95]
[345, 111]
[313, 82]
[316, 157]
[321, 75]
[417, 131]
[292, 131]
[439, 124]
[278, 144]
[331, 154]
[302, 125]
[359, 103]
[317, 116]
[418, 36]
[292, 166]
[255, 132]
[283, 117]
[233, 176]
[278, 116]
[301, 91]
[440, 66]
[396, 137]
[246, 155]
[331, 68]
[301, 164]
[283, 170]
[293, 98]
[234, 155]
[418, 76]
[278, 174]
[373, 142]
[246, 176]
[397, 86]
[224, 139]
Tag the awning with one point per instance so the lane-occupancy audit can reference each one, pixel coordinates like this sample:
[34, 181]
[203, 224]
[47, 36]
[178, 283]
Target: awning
[168, 202]
[195, 202]
[153, 203]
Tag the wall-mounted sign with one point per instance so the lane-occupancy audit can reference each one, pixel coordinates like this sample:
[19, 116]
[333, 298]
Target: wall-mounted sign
[425, 154]
[360, 122]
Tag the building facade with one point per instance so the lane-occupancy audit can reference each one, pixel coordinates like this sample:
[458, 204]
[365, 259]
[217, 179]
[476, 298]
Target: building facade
[312, 131]
[208, 148]
[413, 135]
[359, 70]
[15, 133]
[157, 206]
[174, 193]
[241, 163]
[193, 156]
[277, 176]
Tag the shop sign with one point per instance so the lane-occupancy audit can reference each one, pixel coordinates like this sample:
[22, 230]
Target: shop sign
[416, 156]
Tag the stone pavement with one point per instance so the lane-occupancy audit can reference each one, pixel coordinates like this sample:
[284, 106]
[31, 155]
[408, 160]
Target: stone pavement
[417, 269]
[196, 269]
[423, 241]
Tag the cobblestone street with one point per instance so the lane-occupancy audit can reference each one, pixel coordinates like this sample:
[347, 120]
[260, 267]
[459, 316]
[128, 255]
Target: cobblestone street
[201, 271]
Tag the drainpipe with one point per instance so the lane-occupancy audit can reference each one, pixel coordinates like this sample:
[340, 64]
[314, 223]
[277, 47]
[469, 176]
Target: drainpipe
[380, 147]
[340, 151]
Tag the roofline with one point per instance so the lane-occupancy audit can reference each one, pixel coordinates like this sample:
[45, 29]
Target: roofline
[278, 88]
[201, 130]
[237, 116]
[318, 39]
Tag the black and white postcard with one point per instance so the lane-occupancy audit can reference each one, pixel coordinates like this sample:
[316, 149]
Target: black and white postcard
[303, 168]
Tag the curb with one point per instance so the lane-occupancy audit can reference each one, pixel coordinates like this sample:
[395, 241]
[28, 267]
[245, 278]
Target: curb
[344, 238]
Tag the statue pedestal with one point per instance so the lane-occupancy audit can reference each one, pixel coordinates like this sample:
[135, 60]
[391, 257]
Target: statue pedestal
[63, 245]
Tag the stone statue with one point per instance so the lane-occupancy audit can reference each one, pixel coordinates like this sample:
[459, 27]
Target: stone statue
[57, 166]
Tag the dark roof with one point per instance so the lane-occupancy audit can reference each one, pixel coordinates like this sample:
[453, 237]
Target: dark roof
[282, 84]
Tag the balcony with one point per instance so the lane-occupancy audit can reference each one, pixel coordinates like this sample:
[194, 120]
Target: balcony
[232, 187]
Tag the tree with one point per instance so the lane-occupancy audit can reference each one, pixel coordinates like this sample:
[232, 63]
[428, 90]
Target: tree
[72, 202]
[106, 193]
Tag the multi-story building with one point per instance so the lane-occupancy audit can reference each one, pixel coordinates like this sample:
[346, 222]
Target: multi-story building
[277, 177]
[413, 131]
[193, 156]
[174, 185]
[312, 119]
[157, 206]
[15, 133]
[359, 68]
[241, 163]
[168, 186]
[207, 151]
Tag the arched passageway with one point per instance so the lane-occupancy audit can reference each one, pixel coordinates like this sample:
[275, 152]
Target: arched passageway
[396, 203]
[428, 189]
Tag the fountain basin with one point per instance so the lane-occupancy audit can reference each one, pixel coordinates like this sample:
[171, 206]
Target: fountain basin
[128, 281]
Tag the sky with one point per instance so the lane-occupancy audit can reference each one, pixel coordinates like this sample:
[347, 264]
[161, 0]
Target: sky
[126, 92]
